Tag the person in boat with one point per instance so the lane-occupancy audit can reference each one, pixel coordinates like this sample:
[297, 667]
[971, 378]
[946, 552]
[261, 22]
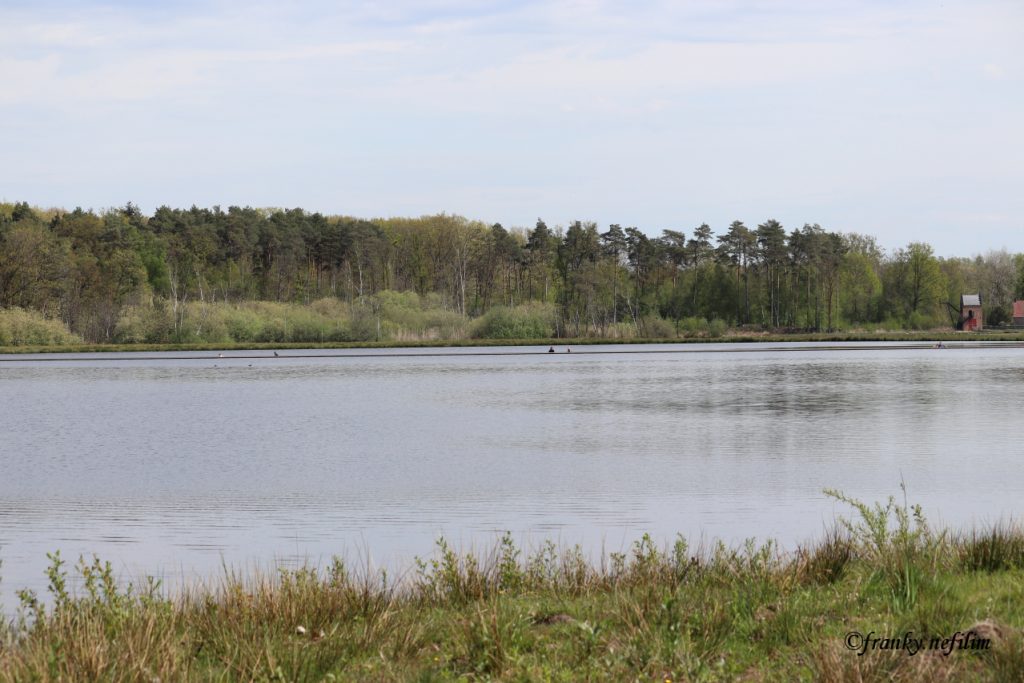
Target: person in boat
[551, 349]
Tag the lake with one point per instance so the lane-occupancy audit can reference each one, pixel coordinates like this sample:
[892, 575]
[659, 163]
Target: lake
[177, 464]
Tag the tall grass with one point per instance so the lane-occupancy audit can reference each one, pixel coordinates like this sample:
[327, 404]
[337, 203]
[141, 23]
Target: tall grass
[997, 548]
[711, 613]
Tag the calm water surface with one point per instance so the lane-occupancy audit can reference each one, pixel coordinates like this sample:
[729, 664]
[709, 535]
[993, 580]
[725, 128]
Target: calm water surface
[176, 466]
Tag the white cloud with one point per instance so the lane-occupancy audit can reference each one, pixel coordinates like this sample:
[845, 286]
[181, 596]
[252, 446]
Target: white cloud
[994, 72]
[26, 79]
[58, 35]
[575, 103]
[658, 71]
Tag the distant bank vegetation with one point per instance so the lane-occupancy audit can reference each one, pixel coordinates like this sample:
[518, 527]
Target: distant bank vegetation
[386, 316]
[249, 275]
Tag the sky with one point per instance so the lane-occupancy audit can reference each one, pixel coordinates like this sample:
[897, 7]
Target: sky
[899, 119]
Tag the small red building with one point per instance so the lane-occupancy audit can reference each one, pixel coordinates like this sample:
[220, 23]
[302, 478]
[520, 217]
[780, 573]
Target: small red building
[970, 312]
[1018, 312]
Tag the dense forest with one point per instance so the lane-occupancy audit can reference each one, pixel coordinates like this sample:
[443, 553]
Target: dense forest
[245, 274]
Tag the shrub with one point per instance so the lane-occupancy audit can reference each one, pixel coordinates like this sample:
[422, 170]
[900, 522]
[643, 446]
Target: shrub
[998, 315]
[526, 321]
[406, 315]
[255, 321]
[144, 324]
[243, 324]
[692, 327]
[897, 541]
[923, 321]
[19, 327]
[658, 328]
[717, 327]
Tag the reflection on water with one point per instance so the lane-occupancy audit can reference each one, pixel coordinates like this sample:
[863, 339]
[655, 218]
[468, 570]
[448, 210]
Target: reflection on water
[171, 466]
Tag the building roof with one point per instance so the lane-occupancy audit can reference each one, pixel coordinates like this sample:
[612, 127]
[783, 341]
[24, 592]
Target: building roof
[970, 299]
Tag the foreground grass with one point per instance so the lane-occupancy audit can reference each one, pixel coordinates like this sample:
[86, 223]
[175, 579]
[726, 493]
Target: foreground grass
[675, 614]
[737, 337]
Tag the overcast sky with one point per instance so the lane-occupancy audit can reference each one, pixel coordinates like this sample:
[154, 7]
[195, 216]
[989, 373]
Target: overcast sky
[904, 120]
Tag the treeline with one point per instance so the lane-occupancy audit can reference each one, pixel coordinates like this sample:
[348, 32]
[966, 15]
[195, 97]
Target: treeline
[196, 275]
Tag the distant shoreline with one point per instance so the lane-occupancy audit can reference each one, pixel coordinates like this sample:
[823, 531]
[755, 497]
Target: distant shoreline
[559, 344]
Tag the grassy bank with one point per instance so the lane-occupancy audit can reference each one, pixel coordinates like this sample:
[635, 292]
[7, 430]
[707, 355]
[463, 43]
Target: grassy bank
[673, 614]
[731, 337]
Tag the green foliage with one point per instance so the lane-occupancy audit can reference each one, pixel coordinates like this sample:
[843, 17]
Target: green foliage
[861, 287]
[1018, 284]
[145, 324]
[716, 328]
[396, 316]
[920, 320]
[691, 327]
[654, 327]
[20, 327]
[528, 321]
[407, 316]
[510, 575]
[916, 287]
[897, 541]
[452, 578]
[197, 275]
[700, 327]
[998, 315]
